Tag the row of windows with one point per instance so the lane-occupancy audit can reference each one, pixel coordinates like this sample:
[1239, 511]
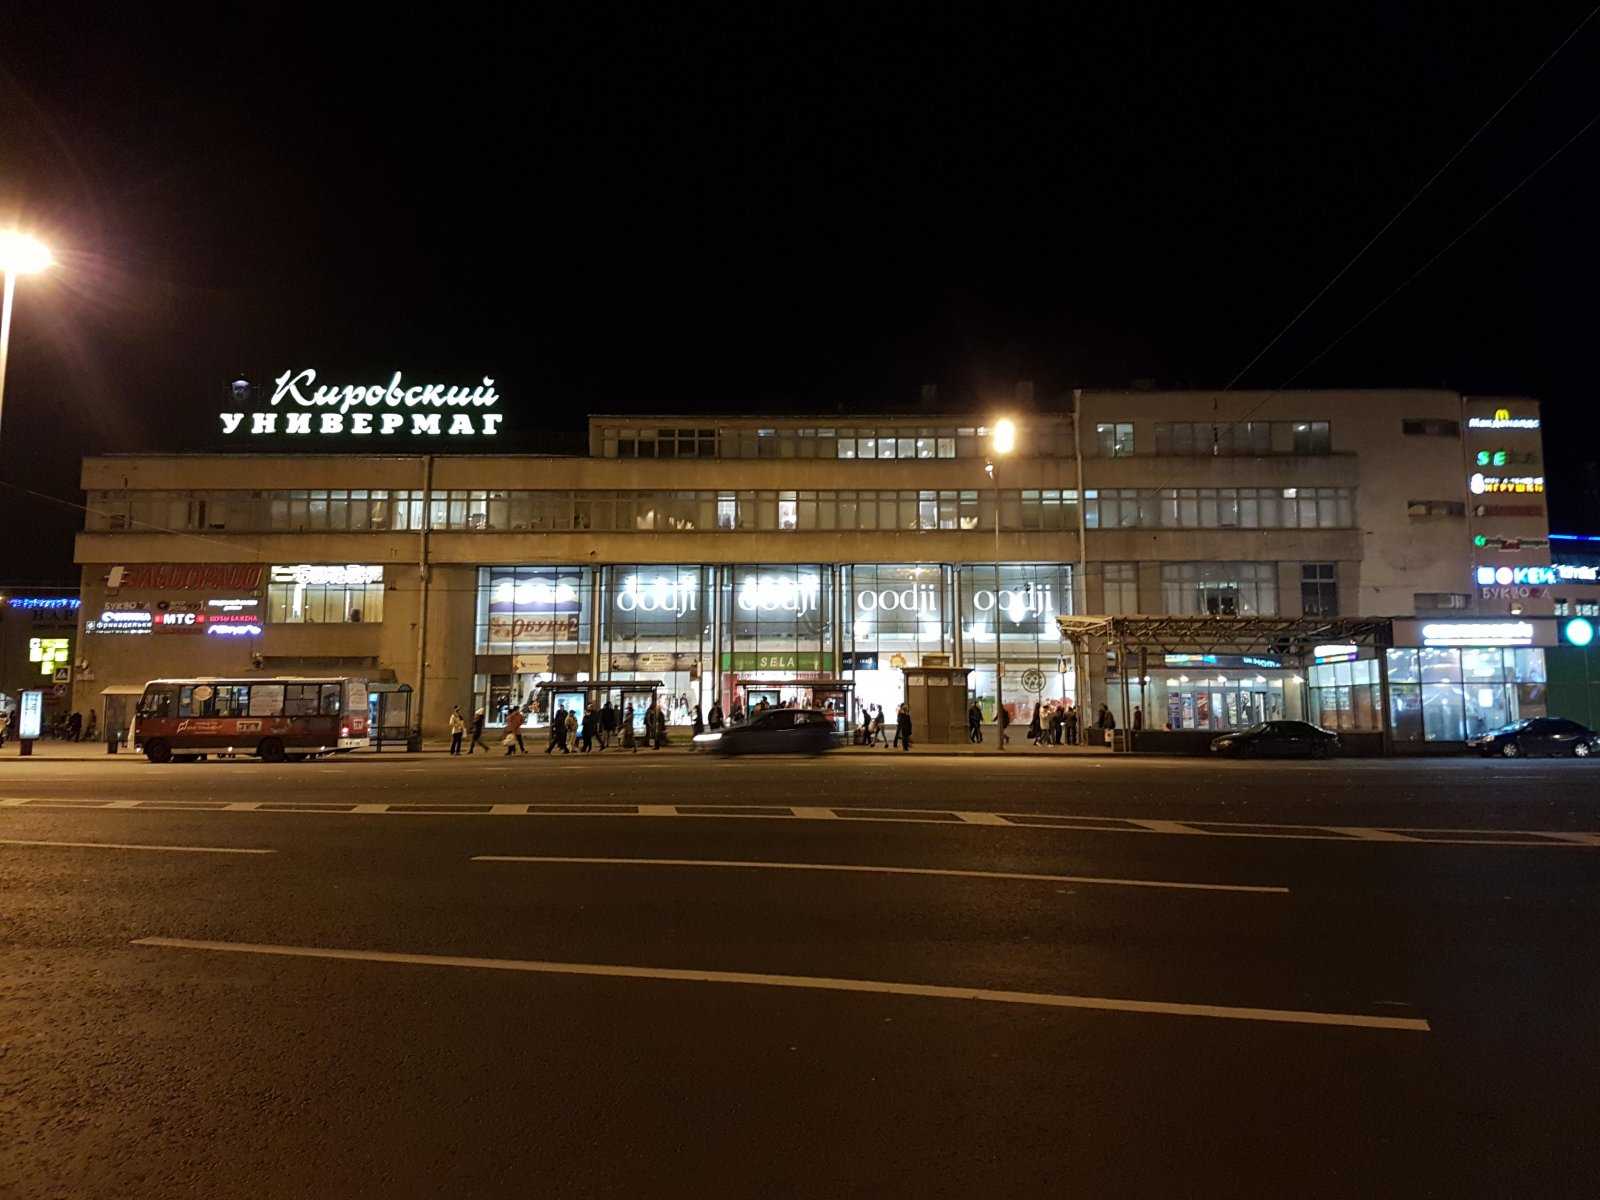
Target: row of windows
[1048, 509]
[1219, 439]
[1051, 440]
[243, 700]
[1227, 589]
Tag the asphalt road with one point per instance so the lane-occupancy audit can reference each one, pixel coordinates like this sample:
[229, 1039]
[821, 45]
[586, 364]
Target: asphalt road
[1093, 976]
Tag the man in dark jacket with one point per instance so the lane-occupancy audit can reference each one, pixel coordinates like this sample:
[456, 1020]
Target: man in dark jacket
[975, 723]
[902, 728]
[608, 724]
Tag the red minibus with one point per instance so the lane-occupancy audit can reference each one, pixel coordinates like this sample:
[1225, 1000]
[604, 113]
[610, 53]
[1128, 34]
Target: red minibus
[180, 720]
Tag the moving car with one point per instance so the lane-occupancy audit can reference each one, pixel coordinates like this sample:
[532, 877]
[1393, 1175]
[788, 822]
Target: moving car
[1538, 735]
[776, 731]
[1278, 739]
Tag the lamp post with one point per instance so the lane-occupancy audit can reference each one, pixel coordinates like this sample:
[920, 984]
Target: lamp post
[1002, 441]
[19, 255]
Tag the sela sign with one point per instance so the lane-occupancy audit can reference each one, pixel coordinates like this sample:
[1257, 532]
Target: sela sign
[383, 409]
[1538, 576]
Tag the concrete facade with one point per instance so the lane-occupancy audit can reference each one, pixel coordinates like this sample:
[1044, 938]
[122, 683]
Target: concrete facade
[1396, 526]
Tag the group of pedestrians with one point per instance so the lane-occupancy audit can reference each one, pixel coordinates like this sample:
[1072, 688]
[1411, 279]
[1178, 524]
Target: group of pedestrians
[595, 729]
[1052, 724]
[870, 729]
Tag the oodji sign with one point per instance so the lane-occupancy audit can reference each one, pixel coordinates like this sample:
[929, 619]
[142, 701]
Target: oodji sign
[187, 577]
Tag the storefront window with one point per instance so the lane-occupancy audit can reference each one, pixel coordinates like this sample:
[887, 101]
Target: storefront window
[897, 614]
[1019, 603]
[657, 626]
[314, 594]
[778, 631]
[1463, 692]
[1346, 696]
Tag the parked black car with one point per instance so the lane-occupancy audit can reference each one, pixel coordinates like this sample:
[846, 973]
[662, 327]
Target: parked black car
[1278, 739]
[776, 731]
[1538, 735]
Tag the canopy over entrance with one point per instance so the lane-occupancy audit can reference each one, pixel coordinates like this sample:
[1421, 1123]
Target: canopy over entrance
[1227, 635]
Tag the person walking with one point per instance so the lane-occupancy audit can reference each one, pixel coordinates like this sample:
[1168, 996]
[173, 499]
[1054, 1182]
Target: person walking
[558, 729]
[902, 727]
[1107, 721]
[737, 716]
[91, 727]
[714, 715]
[898, 712]
[608, 724]
[1002, 722]
[458, 729]
[1072, 724]
[628, 742]
[698, 724]
[75, 727]
[975, 724]
[1035, 729]
[5, 727]
[569, 740]
[478, 718]
[877, 738]
[1058, 721]
[587, 735]
[1138, 718]
[514, 722]
[660, 738]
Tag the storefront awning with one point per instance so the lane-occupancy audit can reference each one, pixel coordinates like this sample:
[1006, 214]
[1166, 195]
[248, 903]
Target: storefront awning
[1229, 635]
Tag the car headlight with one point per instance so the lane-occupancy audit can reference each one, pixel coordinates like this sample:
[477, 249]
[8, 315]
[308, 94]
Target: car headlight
[714, 736]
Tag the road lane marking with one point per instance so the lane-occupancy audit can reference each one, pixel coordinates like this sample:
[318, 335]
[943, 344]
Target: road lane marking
[818, 983]
[136, 846]
[1193, 827]
[878, 870]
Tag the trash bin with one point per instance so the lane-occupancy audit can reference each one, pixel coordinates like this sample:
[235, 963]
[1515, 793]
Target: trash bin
[414, 742]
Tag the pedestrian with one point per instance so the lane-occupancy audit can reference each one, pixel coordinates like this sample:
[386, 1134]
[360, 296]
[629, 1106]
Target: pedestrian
[1107, 721]
[1002, 722]
[74, 726]
[1138, 718]
[1058, 723]
[1072, 724]
[737, 717]
[458, 729]
[1035, 730]
[655, 726]
[91, 727]
[5, 727]
[699, 725]
[478, 718]
[628, 742]
[902, 727]
[608, 724]
[876, 737]
[558, 729]
[586, 738]
[897, 726]
[514, 721]
[714, 716]
[569, 736]
[975, 724]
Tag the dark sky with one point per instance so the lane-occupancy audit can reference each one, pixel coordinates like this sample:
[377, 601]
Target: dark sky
[627, 210]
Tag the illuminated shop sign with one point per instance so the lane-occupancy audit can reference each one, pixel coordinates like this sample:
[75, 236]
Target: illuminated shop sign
[334, 575]
[187, 577]
[1481, 633]
[1502, 419]
[1489, 485]
[242, 629]
[389, 409]
[674, 595]
[797, 595]
[1219, 660]
[1538, 576]
[1335, 653]
[921, 598]
[234, 605]
[1030, 602]
[1577, 632]
[121, 621]
[31, 717]
[542, 606]
[43, 602]
[49, 653]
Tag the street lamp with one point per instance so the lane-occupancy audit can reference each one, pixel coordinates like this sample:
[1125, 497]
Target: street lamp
[1002, 441]
[19, 255]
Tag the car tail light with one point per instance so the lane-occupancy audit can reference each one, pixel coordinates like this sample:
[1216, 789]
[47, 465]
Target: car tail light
[345, 731]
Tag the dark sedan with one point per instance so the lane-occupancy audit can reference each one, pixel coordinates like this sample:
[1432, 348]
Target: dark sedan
[1278, 739]
[776, 731]
[1538, 735]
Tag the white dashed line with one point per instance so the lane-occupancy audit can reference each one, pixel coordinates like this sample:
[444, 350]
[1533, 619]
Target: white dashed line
[136, 846]
[877, 870]
[816, 983]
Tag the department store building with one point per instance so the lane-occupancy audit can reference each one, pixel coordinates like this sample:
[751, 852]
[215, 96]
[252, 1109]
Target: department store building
[812, 558]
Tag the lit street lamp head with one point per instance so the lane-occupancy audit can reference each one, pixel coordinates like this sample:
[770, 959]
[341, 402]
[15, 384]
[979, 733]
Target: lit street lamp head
[21, 254]
[1005, 436]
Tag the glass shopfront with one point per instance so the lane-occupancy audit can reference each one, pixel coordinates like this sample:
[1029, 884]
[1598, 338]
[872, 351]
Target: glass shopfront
[535, 624]
[658, 626]
[776, 635]
[1450, 693]
[1346, 696]
[1016, 603]
[898, 615]
[1200, 695]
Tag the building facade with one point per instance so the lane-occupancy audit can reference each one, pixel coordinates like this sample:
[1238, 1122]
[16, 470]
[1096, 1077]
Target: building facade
[814, 558]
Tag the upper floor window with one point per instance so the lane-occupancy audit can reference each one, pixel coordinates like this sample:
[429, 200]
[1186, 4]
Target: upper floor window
[1312, 437]
[1115, 440]
[1436, 508]
[1319, 590]
[1121, 588]
[1429, 427]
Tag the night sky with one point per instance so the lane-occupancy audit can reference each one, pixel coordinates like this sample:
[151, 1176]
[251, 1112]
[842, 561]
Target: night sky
[763, 211]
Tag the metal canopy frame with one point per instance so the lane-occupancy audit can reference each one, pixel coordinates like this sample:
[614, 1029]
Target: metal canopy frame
[602, 685]
[1228, 635]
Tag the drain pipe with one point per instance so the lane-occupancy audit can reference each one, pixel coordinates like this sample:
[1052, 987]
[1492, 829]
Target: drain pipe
[423, 572]
[1081, 669]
